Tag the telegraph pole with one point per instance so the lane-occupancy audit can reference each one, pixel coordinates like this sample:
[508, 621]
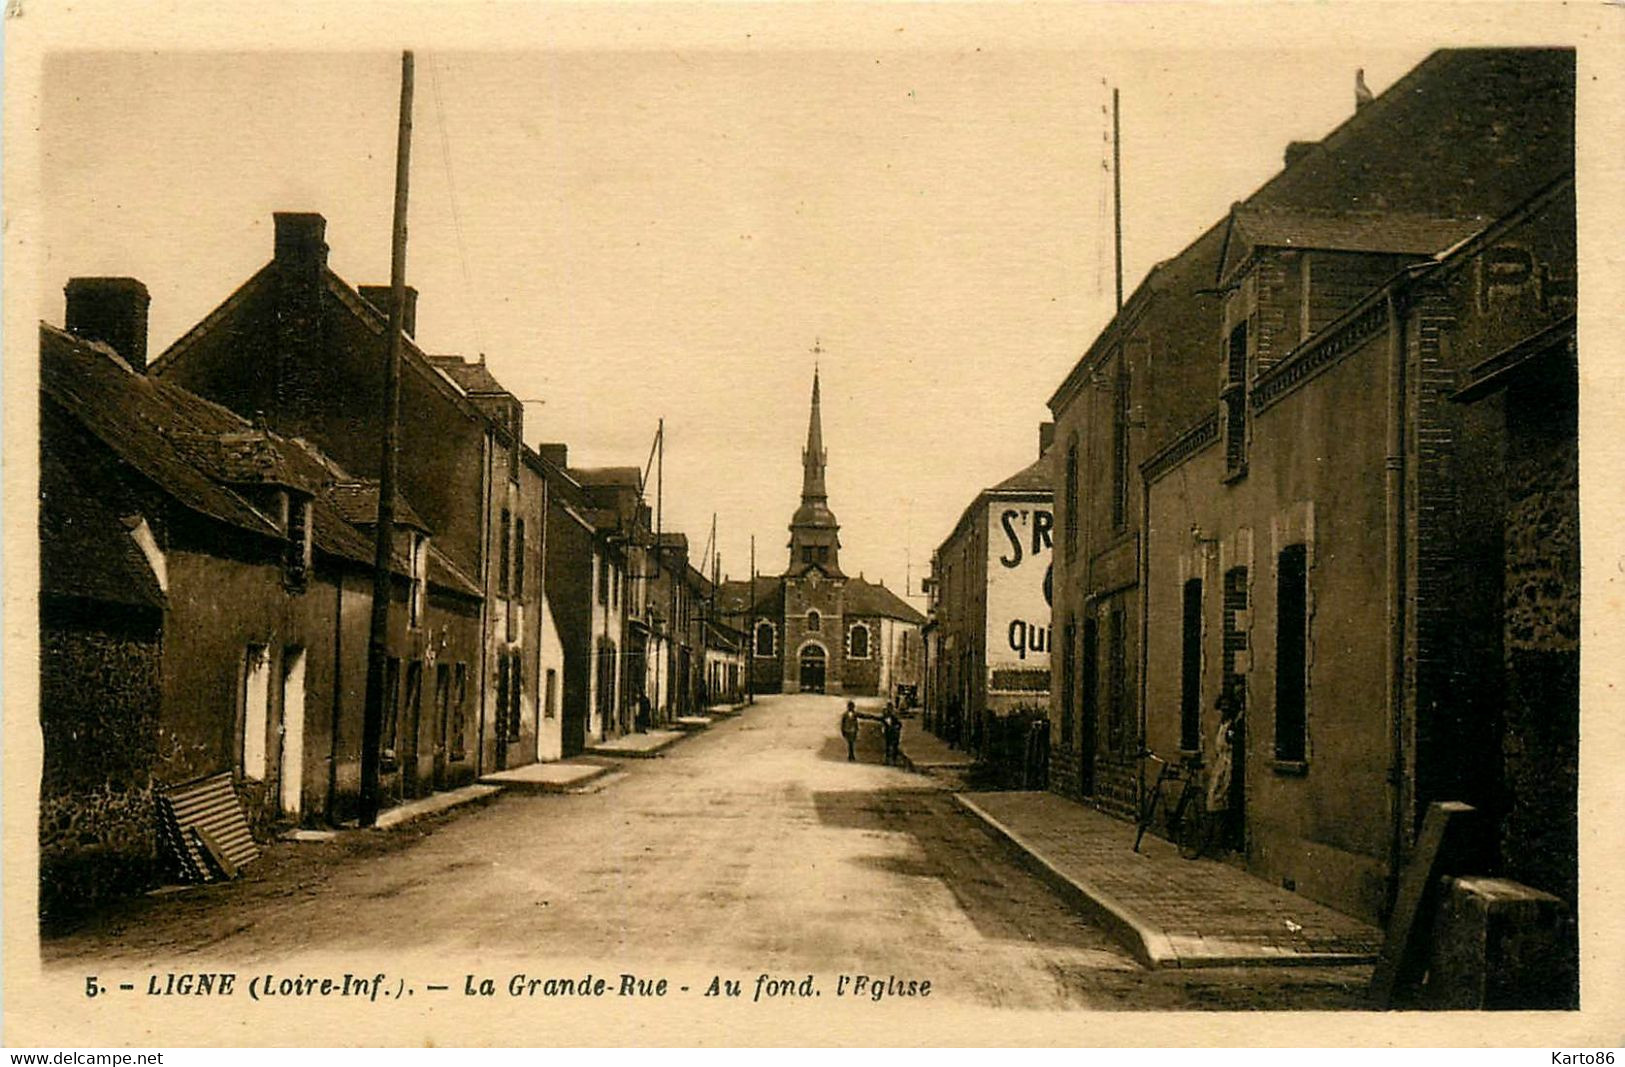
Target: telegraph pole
[1117, 202]
[750, 630]
[372, 723]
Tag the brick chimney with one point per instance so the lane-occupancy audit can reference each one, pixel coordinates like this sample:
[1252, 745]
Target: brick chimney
[378, 296]
[299, 351]
[556, 454]
[1046, 436]
[301, 238]
[112, 311]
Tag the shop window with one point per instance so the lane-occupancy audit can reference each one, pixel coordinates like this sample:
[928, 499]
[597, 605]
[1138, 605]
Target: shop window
[1190, 669]
[459, 711]
[1291, 661]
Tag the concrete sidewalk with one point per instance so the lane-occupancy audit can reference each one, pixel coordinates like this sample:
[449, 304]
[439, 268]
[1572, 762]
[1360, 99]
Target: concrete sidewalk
[692, 722]
[637, 746]
[559, 777]
[1168, 911]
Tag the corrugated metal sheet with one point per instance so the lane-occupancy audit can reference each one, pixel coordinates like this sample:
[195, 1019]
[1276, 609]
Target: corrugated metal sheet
[201, 818]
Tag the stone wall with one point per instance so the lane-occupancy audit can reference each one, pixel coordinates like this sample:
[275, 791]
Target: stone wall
[99, 701]
[1540, 743]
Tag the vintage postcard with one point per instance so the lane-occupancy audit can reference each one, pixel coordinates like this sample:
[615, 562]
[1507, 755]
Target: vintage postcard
[825, 524]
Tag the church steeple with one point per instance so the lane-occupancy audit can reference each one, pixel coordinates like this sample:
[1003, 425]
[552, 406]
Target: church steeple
[814, 540]
[813, 457]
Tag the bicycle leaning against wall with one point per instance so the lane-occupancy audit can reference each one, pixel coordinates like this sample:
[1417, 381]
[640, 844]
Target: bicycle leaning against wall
[1188, 824]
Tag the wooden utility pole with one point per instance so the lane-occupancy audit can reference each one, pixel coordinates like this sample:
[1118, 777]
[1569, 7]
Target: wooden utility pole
[750, 629]
[372, 723]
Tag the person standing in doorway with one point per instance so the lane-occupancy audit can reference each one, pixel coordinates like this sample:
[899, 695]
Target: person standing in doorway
[1222, 797]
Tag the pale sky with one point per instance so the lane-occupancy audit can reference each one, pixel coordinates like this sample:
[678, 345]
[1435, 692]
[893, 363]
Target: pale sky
[637, 235]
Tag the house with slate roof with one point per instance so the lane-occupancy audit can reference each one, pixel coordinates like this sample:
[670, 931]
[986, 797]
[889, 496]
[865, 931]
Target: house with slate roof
[301, 349]
[205, 597]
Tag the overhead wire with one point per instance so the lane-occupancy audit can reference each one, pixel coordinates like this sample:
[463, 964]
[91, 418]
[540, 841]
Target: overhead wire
[456, 213]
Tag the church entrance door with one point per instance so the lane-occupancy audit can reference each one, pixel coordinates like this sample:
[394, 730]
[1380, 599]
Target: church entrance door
[812, 669]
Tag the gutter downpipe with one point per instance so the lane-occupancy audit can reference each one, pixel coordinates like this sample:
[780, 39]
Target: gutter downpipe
[1394, 502]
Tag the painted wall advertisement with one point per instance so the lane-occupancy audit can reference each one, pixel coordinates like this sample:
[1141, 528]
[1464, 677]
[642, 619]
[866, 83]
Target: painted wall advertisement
[1020, 540]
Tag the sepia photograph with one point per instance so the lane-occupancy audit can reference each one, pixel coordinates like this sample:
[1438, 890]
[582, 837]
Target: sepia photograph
[806, 525]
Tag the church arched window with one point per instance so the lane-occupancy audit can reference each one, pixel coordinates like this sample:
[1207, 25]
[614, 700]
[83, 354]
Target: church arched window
[857, 642]
[815, 621]
[764, 638]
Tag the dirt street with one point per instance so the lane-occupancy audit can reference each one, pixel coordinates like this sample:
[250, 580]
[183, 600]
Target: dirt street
[754, 847]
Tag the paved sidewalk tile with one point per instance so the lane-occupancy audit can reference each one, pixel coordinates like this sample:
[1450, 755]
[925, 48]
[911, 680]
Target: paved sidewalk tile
[692, 722]
[548, 777]
[635, 746]
[1170, 911]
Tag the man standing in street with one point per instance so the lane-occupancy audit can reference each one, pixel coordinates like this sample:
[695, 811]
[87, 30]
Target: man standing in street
[849, 730]
[892, 724]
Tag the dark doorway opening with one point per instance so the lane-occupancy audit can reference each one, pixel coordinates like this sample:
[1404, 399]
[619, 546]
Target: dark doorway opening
[812, 669]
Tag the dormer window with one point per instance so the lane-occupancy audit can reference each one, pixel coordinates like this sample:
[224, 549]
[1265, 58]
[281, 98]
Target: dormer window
[297, 546]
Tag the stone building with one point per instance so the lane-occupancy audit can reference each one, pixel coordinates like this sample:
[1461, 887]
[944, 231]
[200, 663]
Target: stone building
[1328, 538]
[990, 596]
[206, 588]
[815, 628]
